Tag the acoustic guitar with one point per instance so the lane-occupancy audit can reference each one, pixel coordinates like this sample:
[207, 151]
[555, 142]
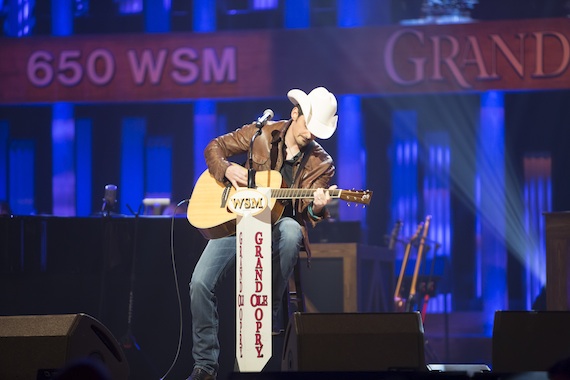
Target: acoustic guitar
[208, 207]
[412, 298]
[400, 302]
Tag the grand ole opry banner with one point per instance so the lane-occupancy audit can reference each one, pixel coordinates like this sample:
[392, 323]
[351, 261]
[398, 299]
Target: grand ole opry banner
[397, 59]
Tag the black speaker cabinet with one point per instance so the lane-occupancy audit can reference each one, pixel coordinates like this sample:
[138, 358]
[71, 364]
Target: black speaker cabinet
[526, 341]
[354, 342]
[36, 346]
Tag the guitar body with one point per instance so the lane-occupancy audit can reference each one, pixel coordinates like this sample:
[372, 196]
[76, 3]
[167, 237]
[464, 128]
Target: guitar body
[208, 211]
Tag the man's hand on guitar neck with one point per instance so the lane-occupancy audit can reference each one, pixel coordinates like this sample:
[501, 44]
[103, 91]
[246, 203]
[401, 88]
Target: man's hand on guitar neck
[321, 198]
[237, 175]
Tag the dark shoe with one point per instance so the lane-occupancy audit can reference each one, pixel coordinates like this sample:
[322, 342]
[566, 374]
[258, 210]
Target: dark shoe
[200, 374]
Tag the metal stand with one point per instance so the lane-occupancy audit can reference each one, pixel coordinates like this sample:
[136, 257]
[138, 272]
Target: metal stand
[128, 340]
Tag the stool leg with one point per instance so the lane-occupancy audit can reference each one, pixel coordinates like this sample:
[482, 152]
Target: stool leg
[296, 296]
[294, 300]
[299, 295]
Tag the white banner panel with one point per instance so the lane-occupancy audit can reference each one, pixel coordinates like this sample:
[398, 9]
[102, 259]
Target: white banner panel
[253, 278]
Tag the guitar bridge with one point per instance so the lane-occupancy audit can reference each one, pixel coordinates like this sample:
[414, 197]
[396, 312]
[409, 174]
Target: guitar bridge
[225, 195]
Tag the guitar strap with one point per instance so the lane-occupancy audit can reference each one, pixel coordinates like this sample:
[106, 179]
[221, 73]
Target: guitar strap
[297, 178]
[306, 155]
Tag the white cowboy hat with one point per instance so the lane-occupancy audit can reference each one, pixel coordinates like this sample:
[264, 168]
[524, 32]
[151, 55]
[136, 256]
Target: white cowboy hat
[319, 108]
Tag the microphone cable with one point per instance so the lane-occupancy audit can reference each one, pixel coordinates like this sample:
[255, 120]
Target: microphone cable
[181, 326]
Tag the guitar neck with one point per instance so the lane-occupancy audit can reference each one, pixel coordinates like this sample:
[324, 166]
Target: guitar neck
[289, 193]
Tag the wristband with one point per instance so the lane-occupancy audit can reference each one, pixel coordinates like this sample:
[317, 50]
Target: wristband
[312, 214]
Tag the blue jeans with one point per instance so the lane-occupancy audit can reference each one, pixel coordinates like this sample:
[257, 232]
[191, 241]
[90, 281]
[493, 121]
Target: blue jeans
[219, 257]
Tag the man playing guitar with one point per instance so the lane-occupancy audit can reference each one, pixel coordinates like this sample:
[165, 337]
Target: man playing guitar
[288, 147]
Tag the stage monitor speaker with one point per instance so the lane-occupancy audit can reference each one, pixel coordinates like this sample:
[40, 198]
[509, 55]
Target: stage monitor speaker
[529, 341]
[37, 346]
[354, 342]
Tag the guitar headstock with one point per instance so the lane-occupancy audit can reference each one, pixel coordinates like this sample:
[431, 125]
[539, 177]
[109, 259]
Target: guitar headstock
[354, 196]
[394, 234]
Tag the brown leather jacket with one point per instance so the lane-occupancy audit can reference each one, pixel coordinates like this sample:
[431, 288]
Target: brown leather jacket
[268, 154]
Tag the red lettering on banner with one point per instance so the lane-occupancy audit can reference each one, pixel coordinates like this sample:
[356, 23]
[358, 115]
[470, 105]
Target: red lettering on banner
[259, 347]
[240, 257]
[472, 48]
[214, 69]
[147, 64]
[513, 55]
[440, 61]
[240, 300]
[259, 324]
[448, 56]
[259, 237]
[186, 72]
[259, 265]
[240, 333]
[99, 68]
[258, 300]
[258, 251]
[390, 58]
[540, 53]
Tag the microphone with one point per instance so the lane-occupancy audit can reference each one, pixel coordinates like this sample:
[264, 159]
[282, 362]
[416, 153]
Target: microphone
[263, 119]
[109, 199]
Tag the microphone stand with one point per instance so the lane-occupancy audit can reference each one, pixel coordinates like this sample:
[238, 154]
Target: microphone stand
[251, 171]
[128, 340]
[109, 203]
